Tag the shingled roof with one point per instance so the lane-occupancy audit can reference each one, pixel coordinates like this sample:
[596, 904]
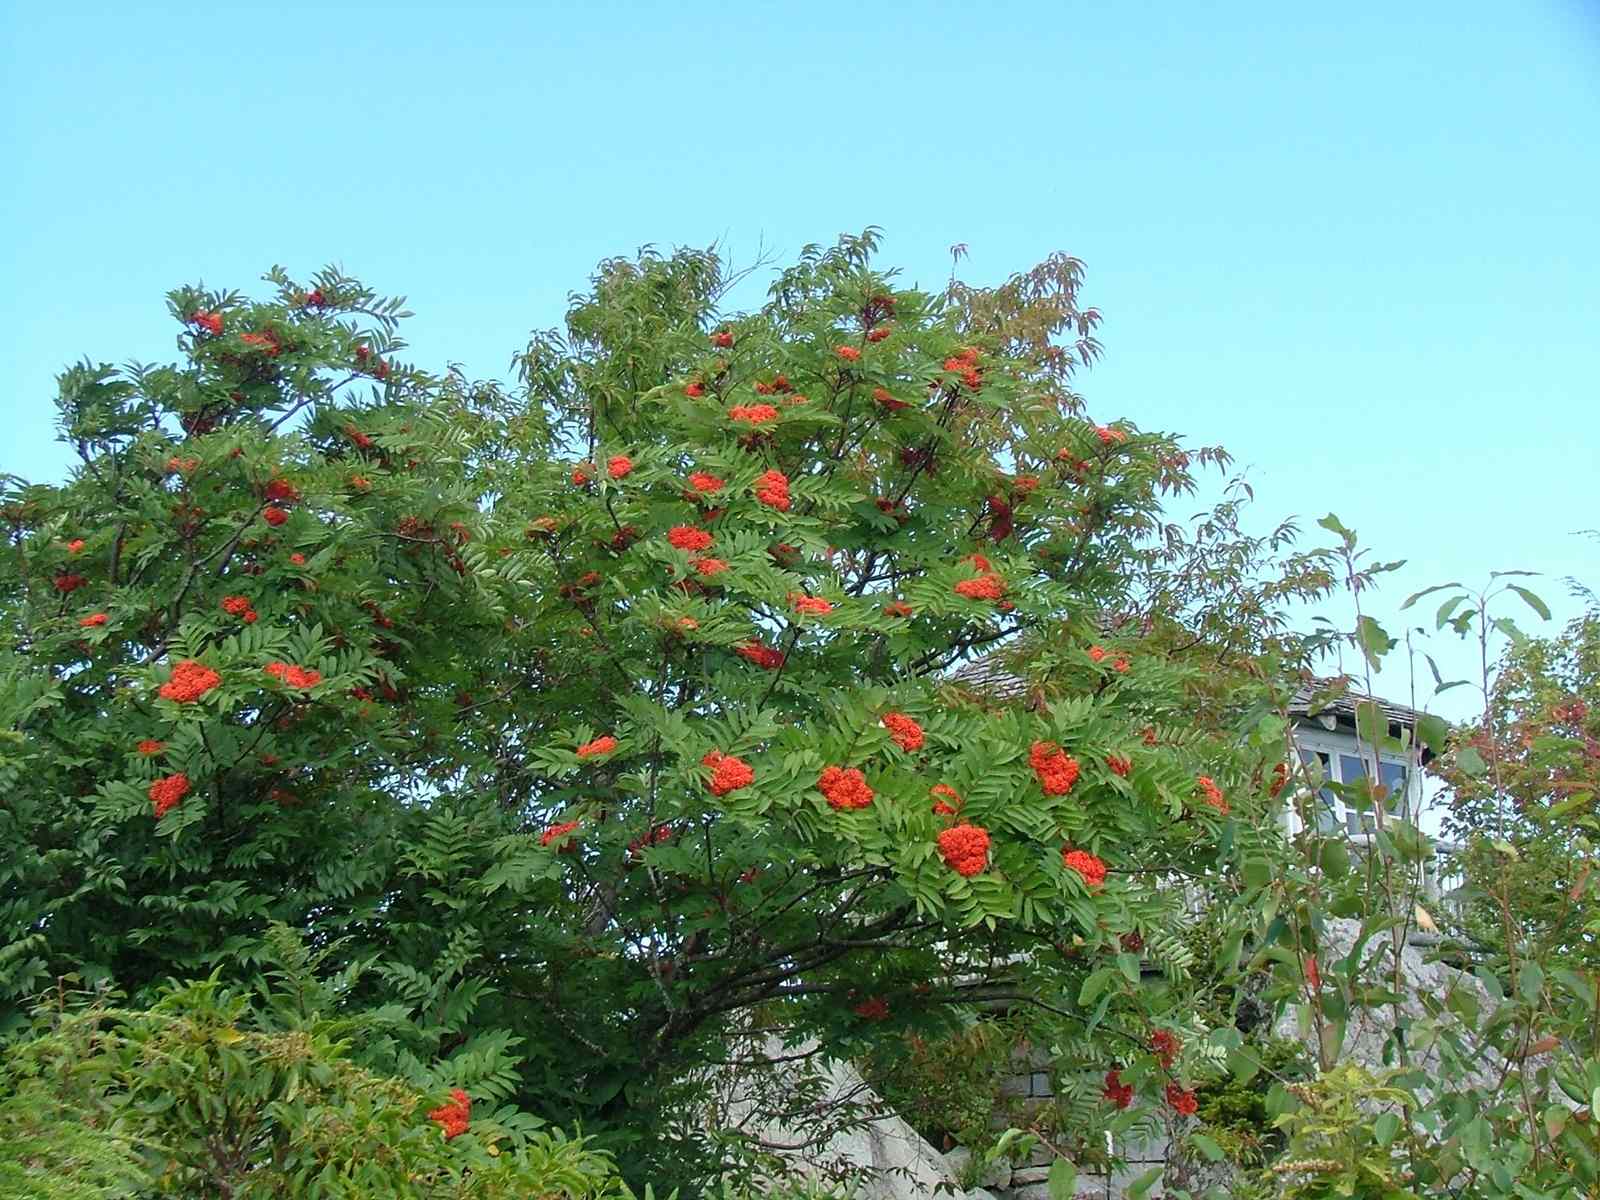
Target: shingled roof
[989, 674]
[1343, 706]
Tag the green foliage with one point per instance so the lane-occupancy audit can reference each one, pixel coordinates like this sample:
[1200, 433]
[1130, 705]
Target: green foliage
[1483, 1084]
[206, 1093]
[1535, 790]
[1336, 1148]
[946, 1087]
[420, 596]
[1234, 1109]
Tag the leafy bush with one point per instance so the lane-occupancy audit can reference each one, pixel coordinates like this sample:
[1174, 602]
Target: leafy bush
[207, 1093]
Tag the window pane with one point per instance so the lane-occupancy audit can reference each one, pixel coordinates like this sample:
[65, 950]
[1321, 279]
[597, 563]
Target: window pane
[1329, 814]
[1394, 778]
[1310, 757]
[1353, 770]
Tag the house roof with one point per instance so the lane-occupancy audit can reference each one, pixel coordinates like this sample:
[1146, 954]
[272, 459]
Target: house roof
[989, 674]
[1343, 706]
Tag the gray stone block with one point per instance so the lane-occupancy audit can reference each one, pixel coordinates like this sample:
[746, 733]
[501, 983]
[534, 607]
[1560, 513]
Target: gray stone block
[1122, 1180]
[1040, 1084]
[1144, 1150]
[959, 1161]
[1028, 1058]
[1041, 1155]
[1015, 1085]
[1090, 1187]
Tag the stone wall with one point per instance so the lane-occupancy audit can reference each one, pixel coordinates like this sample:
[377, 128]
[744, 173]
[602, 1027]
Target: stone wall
[1029, 1089]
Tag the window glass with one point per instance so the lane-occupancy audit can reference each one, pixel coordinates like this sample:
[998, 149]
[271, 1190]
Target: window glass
[1352, 770]
[1394, 778]
[1329, 817]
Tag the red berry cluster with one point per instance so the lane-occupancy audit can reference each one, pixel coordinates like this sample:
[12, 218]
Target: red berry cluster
[965, 848]
[267, 342]
[1212, 794]
[454, 1117]
[293, 676]
[1573, 712]
[728, 773]
[1115, 1091]
[752, 414]
[654, 837]
[604, 744]
[765, 657]
[558, 833]
[167, 791]
[906, 732]
[1280, 780]
[1092, 869]
[845, 787]
[884, 397]
[190, 680]
[965, 364]
[987, 586]
[1120, 663]
[280, 491]
[1057, 770]
[1182, 1099]
[772, 489]
[689, 537]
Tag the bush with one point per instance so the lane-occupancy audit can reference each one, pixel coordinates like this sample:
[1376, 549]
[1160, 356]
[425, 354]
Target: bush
[201, 1094]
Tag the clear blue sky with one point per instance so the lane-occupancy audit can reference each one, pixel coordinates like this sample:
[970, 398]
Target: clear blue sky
[1358, 246]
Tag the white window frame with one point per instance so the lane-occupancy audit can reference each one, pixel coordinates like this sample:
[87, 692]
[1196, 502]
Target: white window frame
[1335, 743]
